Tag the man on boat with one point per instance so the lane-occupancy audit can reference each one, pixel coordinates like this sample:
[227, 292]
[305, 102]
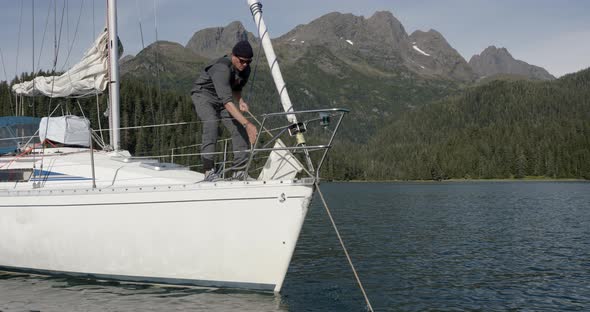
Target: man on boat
[215, 95]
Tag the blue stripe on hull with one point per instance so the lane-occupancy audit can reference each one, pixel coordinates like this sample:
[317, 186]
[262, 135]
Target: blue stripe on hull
[43, 175]
[145, 279]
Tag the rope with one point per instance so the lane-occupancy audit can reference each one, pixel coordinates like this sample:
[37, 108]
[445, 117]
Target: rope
[358, 280]
[260, 124]
[20, 155]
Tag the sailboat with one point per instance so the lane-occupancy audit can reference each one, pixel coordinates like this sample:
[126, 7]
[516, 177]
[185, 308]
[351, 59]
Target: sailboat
[104, 214]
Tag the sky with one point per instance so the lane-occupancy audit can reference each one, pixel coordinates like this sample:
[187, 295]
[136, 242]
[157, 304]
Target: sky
[553, 34]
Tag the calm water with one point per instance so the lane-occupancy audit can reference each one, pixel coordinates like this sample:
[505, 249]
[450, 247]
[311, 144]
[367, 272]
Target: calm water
[440, 247]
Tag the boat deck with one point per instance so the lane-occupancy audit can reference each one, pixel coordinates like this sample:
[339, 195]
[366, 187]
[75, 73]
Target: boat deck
[70, 168]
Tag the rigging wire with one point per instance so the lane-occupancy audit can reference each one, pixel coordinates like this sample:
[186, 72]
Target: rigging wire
[156, 54]
[44, 33]
[81, 110]
[75, 36]
[57, 37]
[93, 23]
[159, 94]
[50, 113]
[32, 103]
[250, 98]
[98, 115]
[72, 45]
[156, 125]
[140, 27]
[55, 30]
[3, 65]
[18, 40]
[7, 83]
[99, 140]
[251, 92]
[66, 3]
[148, 77]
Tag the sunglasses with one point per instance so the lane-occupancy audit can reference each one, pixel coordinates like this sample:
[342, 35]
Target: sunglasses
[244, 61]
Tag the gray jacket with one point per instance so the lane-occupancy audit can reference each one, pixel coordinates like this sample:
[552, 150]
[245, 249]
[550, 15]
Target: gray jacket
[219, 79]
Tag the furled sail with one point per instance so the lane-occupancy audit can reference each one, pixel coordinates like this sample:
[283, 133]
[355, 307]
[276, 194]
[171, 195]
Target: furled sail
[88, 77]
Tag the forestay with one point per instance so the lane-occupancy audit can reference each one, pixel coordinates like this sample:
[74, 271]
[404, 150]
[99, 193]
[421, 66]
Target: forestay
[87, 77]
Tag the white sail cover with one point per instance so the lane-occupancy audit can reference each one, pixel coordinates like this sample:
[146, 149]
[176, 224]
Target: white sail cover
[69, 130]
[87, 77]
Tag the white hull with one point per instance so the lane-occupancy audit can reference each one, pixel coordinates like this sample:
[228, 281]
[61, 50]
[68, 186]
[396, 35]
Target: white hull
[70, 211]
[235, 234]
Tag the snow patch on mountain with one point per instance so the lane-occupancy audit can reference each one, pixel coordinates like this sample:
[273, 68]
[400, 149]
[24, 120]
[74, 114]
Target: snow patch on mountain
[418, 49]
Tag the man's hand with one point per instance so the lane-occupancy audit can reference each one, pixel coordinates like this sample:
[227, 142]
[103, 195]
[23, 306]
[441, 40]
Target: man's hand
[252, 132]
[244, 106]
[235, 113]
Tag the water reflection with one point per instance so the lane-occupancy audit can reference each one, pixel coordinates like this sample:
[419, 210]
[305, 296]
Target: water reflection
[24, 292]
[476, 246]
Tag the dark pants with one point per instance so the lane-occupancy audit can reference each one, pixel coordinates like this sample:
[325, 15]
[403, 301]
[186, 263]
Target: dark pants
[210, 112]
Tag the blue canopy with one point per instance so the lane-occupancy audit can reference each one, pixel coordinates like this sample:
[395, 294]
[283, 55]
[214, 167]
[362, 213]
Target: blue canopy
[14, 130]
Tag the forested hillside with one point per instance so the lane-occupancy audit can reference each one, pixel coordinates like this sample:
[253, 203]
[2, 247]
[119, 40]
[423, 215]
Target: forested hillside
[504, 129]
[142, 105]
[417, 110]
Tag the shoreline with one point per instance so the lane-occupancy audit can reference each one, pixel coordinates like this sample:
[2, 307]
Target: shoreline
[463, 180]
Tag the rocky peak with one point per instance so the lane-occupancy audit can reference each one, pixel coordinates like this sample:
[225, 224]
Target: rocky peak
[125, 59]
[428, 42]
[218, 41]
[325, 29]
[381, 41]
[430, 35]
[337, 29]
[494, 61]
[433, 54]
[386, 26]
[378, 40]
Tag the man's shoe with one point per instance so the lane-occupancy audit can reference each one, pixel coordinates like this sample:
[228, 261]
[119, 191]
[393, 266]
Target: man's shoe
[211, 175]
[242, 176]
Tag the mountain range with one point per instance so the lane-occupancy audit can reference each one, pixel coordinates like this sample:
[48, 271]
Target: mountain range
[370, 65]
[379, 42]
[418, 109]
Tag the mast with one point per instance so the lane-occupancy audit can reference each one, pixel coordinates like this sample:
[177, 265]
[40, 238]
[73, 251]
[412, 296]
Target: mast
[256, 9]
[114, 118]
[263, 34]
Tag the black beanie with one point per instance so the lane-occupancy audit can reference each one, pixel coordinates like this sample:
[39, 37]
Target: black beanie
[243, 49]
